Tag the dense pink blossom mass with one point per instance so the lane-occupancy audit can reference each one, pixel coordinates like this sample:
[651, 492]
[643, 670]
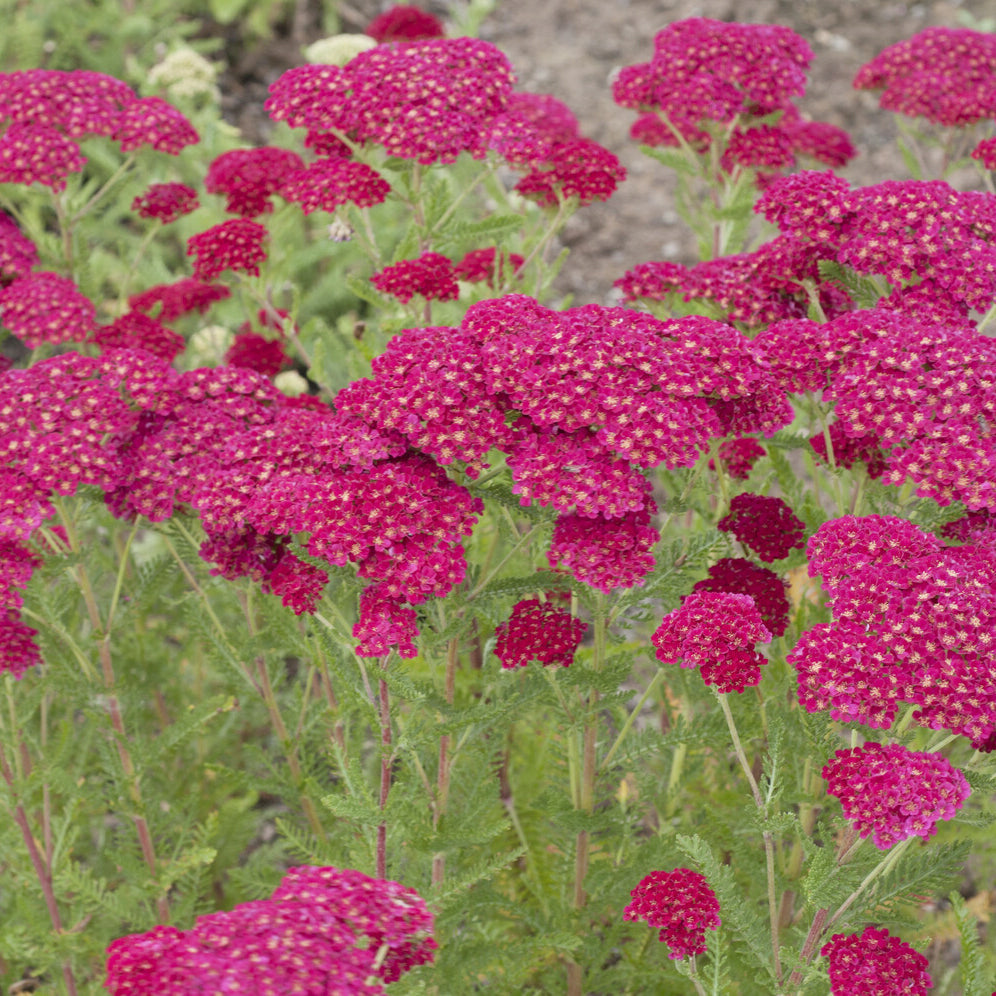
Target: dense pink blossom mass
[321, 933]
[913, 622]
[715, 631]
[540, 631]
[874, 963]
[681, 904]
[894, 793]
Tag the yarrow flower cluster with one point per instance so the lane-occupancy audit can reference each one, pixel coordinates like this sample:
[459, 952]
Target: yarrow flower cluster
[754, 288]
[738, 456]
[715, 632]
[249, 177]
[46, 308]
[538, 631]
[425, 100]
[488, 266]
[323, 931]
[741, 577]
[933, 244]
[765, 525]
[179, 298]
[18, 255]
[946, 75]
[894, 793]
[166, 202]
[706, 73]
[327, 184]
[232, 245]
[431, 276]
[874, 963]
[404, 23]
[681, 904]
[913, 621]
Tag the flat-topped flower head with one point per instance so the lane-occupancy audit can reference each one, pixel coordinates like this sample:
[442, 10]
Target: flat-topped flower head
[151, 121]
[322, 931]
[874, 963]
[530, 127]
[424, 100]
[681, 904]
[232, 245]
[135, 330]
[739, 456]
[46, 308]
[166, 202]
[892, 793]
[18, 255]
[249, 177]
[947, 75]
[578, 168]
[329, 183]
[538, 631]
[179, 298]
[38, 153]
[605, 553]
[298, 584]
[488, 266]
[765, 525]
[741, 577]
[405, 22]
[385, 624]
[265, 356]
[717, 633]
[430, 276]
[18, 650]
[985, 153]
[706, 70]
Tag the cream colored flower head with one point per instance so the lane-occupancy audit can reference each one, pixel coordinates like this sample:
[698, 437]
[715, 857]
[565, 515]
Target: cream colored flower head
[208, 345]
[337, 50]
[185, 73]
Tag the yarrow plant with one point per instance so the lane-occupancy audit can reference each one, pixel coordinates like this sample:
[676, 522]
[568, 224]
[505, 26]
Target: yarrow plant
[373, 621]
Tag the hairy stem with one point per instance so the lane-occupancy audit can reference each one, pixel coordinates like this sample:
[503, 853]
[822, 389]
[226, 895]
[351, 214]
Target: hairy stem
[443, 775]
[385, 768]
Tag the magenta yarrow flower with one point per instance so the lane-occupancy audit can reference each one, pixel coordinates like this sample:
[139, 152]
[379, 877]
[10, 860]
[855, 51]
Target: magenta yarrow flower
[947, 75]
[176, 299]
[424, 100]
[17, 563]
[913, 622]
[135, 330]
[681, 904]
[77, 102]
[892, 793]
[166, 202]
[327, 184]
[430, 276]
[488, 266]
[739, 455]
[265, 356]
[532, 125]
[404, 23]
[46, 308]
[709, 71]
[605, 553]
[151, 121]
[538, 631]
[37, 153]
[18, 255]
[384, 623]
[578, 168]
[874, 963]
[849, 450]
[298, 584]
[755, 288]
[18, 650]
[741, 577]
[249, 177]
[715, 632]
[232, 245]
[322, 931]
[765, 525]
[985, 153]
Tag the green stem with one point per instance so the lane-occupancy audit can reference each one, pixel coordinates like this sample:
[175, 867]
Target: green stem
[769, 844]
[607, 760]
